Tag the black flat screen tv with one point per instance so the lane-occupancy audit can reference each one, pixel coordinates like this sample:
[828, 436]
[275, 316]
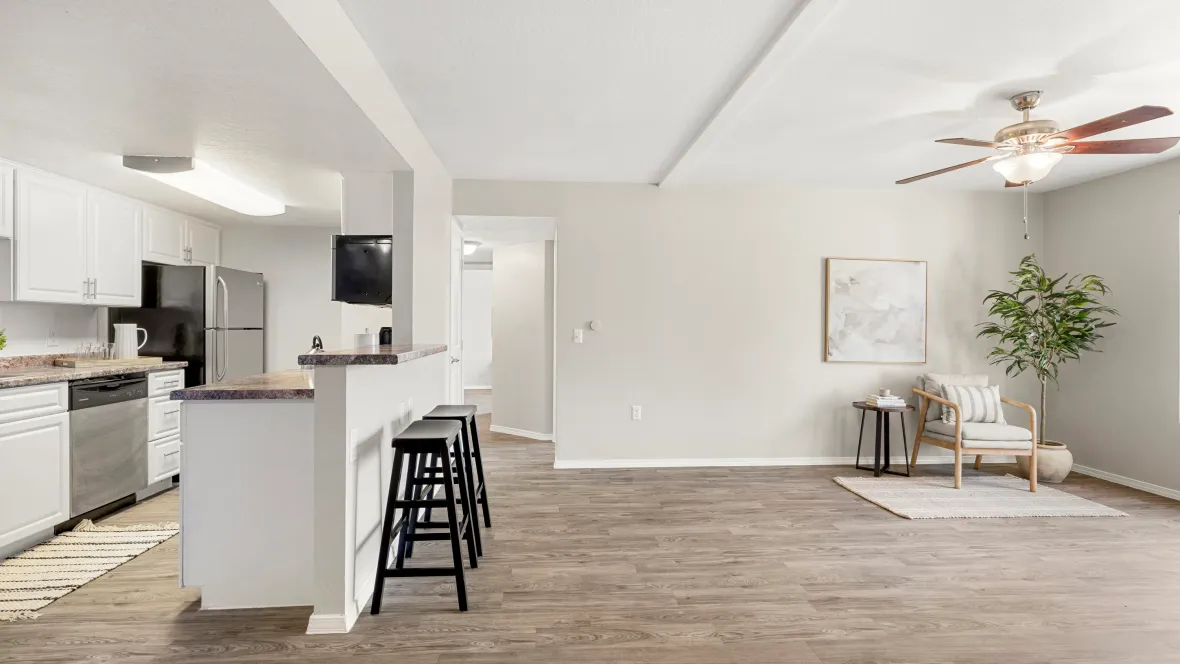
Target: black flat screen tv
[362, 269]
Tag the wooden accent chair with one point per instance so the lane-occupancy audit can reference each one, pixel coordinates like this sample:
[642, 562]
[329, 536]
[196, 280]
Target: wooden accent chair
[975, 437]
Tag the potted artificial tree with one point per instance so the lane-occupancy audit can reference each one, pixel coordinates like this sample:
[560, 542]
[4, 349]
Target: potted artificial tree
[1045, 322]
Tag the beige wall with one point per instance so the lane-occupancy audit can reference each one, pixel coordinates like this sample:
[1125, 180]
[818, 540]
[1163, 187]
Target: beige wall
[1118, 410]
[522, 337]
[297, 266]
[712, 300]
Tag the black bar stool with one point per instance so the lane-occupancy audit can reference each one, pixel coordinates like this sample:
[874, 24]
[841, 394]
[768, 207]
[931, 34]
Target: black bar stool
[410, 450]
[466, 415]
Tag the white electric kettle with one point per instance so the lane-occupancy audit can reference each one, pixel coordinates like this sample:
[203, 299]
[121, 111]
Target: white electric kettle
[127, 343]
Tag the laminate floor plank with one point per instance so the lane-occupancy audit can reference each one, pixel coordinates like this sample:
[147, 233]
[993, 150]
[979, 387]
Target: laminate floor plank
[686, 566]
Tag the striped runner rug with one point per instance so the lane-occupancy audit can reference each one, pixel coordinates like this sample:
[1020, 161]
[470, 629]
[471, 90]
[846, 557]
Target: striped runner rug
[35, 578]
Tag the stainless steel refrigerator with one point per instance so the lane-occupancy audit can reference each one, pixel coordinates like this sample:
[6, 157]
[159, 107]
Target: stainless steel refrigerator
[210, 317]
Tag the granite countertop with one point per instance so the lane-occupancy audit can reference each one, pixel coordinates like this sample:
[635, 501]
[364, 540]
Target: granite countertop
[396, 354]
[295, 384]
[21, 375]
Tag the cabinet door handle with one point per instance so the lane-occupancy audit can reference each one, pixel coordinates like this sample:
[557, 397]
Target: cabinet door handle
[94, 288]
[85, 289]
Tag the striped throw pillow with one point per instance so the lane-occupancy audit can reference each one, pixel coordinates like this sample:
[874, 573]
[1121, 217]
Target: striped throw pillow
[976, 403]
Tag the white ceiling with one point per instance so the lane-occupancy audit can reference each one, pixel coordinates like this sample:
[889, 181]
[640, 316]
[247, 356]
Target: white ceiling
[584, 90]
[612, 90]
[862, 102]
[84, 82]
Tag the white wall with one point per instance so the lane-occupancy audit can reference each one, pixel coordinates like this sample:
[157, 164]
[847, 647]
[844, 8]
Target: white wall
[296, 263]
[1119, 410]
[28, 326]
[522, 335]
[477, 328]
[712, 299]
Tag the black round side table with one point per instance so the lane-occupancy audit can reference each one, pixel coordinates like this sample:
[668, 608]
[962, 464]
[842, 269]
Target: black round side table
[882, 438]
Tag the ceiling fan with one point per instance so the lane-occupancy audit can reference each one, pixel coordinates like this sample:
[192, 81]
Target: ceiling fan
[1028, 150]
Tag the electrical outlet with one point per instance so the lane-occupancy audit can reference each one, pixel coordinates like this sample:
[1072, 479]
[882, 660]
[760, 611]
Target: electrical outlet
[51, 340]
[637, 412]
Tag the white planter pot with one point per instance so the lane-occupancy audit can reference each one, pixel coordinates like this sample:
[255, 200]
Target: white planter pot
[1054, 461]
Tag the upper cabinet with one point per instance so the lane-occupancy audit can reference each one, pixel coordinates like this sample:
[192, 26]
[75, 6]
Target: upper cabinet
[173, 239]
[204, 243]
[164, 239]
[115, 250]
[75, 244]
[7, 201]
[50, 239]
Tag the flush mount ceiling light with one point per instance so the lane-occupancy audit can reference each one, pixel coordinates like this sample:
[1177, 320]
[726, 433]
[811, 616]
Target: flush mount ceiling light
[202, 180]
[470, 247]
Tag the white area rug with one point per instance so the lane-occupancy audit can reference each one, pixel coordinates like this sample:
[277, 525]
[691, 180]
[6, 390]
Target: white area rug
[981, 497]
[36, 578]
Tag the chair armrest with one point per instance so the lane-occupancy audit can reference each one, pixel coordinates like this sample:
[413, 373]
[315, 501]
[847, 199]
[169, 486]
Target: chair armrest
[1032, 415]
[948, 404]
[937, 399]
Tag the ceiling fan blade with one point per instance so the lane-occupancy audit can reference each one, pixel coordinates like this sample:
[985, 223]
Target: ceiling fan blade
[1012, 184]
[1129, 146]
[969, 141]
[1116, 121]
[948, 169]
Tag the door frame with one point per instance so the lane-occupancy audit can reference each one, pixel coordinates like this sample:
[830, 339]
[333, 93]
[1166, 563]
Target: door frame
[455, 354]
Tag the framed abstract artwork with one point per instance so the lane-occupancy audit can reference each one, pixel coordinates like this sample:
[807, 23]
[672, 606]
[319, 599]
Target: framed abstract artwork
[875, 311]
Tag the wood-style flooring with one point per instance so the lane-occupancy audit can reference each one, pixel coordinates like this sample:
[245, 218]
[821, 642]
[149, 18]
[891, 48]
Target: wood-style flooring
[689, 566]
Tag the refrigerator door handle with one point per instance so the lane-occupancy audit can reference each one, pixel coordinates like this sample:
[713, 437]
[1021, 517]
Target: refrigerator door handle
[222, 347]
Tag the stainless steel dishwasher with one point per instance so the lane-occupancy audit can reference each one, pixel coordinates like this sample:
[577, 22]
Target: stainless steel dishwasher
[108, 440]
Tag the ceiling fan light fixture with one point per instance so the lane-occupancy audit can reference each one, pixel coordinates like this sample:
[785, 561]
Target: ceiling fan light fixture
[1028, 167]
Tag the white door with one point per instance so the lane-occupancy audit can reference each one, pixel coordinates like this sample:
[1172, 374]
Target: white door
[7, 201]
[455, 342]
[34, 476]
[164, 238]
[115, 246]
[50, 239]
[204, 243]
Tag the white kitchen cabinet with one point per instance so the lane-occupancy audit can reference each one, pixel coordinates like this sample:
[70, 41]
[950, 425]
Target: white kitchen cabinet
[50, 227]
[163, 459]
[173, 239]
[164, 236]
[115, 248]
[34, 476]
[163, 418]
[204, 243]
[7, 198]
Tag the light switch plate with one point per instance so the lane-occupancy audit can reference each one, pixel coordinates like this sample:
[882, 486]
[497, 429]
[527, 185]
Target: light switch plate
[578, 335]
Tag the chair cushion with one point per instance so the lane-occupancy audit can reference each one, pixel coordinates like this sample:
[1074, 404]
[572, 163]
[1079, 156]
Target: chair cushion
[930, 382]
[983, 435]
[976, 404]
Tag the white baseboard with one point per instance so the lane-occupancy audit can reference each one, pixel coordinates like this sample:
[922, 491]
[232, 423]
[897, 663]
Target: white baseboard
[567, 464]
[496, 428]
[477, 387]
[1158, 490]
[330, 623]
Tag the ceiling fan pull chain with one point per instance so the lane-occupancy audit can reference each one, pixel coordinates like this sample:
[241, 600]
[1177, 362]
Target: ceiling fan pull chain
[1026, 210]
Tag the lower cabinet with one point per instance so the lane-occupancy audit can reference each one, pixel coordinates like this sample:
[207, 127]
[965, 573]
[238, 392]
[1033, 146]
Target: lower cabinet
[34, 476]
[163, 459]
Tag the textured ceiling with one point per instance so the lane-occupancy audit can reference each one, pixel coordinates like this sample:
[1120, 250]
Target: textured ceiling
[585, 90]
[861, 102]
[84, 82]
[611, 90]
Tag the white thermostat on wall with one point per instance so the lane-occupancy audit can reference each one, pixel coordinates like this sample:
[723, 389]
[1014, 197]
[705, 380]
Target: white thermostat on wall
[596, 325]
